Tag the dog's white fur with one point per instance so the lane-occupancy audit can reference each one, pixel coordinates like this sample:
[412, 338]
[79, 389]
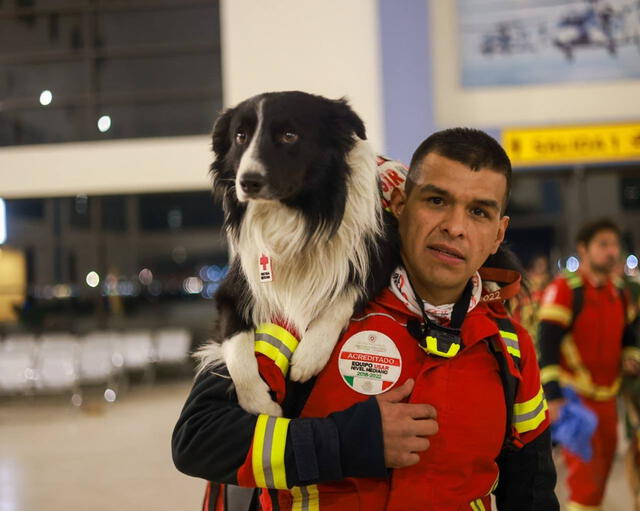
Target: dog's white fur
[310, 286]
[250, 162]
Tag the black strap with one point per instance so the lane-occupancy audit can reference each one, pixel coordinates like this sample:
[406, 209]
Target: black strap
[212, 497]
[237, 498]
[445, 336]
[577, 304]
[509, 381]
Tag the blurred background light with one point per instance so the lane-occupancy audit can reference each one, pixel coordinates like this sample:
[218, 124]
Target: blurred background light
[104, 123]
[572, 264]
[46, 97]
[93, 279]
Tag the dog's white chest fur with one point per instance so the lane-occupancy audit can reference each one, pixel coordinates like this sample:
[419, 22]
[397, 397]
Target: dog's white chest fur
[308, 275]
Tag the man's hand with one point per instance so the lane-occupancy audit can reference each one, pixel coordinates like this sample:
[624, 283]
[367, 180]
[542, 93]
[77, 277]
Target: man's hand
[405, 426]
[554, 409]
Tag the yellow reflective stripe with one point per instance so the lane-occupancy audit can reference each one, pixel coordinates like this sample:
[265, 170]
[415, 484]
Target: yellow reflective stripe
[557, 313]
[267, 458]
[511, 341]
[277, 343]
[432, 347]
[588, 389]
[549, 373]
[305, 498]
[257, 451]
[581, 380]
[574, 280]
[277, 452]
[282, 334]
[527, 416]
[477, 505]
[274, 354]
[574, 506]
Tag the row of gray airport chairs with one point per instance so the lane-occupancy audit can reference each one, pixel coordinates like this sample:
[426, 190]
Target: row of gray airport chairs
[60, 362]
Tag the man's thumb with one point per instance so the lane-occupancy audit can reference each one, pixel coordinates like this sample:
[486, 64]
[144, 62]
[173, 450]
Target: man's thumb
[399, 393]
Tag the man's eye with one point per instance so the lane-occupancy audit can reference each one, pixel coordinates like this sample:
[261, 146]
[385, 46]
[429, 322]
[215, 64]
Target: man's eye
[436, 201]
[479, 212]
[241, 137]
[289, 137]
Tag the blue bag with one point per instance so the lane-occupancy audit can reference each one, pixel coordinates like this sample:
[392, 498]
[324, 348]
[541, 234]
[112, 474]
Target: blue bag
[575, 426]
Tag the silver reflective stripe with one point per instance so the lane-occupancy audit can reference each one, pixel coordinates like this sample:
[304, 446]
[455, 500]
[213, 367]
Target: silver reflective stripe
[305, 498]
[529, 415]
[266, 452]
[511, 343]
[276, 343]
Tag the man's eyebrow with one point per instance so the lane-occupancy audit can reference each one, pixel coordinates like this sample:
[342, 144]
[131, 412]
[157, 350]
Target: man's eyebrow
[487, 203]
[434, 189]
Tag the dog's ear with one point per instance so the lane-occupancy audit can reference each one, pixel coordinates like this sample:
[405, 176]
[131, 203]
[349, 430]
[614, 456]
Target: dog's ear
[221, 140]
[346, 117]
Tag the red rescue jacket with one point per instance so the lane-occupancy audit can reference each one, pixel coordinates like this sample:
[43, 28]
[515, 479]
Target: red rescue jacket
[459, 470]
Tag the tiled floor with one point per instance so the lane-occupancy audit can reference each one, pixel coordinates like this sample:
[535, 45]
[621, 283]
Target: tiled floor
[117, 457]
[56, 458]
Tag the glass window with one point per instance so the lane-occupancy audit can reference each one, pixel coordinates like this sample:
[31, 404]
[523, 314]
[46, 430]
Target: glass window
[24, 208]
[114, 213]
[176, 211]
[152, 66]
[80, 211]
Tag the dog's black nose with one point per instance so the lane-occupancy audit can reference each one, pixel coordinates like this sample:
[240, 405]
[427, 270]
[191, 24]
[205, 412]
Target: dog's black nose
[252, 183]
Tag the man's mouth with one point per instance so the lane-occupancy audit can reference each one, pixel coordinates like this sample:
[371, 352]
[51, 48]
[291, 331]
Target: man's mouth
[447, 253]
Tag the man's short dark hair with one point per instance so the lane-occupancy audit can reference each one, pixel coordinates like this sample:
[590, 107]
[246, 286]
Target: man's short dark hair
[471, 147]
[591, 229]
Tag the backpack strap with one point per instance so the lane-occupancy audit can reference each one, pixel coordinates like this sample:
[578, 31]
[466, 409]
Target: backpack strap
[509, 381]
[574, 280]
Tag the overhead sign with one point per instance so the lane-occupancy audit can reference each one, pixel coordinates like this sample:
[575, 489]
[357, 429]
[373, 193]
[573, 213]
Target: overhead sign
[572, 144]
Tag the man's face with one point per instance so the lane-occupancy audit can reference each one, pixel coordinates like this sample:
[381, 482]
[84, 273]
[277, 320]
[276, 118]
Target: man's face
[449, 224]
[602, 252]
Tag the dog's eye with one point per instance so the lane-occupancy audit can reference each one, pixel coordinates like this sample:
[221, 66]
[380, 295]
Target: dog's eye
[288, 137]
[241, 137]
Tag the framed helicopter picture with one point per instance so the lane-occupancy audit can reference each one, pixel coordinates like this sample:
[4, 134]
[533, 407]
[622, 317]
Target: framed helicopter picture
[527, 42]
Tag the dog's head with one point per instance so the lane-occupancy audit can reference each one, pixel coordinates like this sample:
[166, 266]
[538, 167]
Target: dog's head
[278, 146]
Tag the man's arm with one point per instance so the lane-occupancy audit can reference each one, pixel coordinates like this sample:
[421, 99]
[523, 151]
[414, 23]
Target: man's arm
[528, 475]
[555, 317]
[528, 478]
[216, 440]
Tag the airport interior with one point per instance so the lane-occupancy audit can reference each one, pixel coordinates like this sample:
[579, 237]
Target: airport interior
[111, 243]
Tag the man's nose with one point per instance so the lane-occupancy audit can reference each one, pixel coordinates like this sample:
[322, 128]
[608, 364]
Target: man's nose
[455, 222]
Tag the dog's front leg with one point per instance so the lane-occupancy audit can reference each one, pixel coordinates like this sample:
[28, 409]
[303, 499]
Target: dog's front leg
[318, 341]
[253, 392]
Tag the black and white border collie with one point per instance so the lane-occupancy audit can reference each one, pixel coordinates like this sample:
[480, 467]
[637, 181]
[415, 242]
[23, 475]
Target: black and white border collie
[298, 186]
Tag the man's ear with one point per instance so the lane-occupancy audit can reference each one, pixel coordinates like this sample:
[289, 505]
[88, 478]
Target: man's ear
[398, 202]
[502, 230]
[582, 250]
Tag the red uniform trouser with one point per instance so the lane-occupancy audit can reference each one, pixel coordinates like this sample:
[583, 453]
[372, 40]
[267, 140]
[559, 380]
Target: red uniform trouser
[587, 480]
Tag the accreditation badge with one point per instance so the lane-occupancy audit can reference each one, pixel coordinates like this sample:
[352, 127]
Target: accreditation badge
[370, 362]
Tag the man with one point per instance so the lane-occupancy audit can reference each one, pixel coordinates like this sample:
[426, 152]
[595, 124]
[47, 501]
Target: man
[436, 335]
[585, 341]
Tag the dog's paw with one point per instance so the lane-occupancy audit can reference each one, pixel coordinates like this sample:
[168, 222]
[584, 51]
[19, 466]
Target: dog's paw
[256, 399]
[309, 358]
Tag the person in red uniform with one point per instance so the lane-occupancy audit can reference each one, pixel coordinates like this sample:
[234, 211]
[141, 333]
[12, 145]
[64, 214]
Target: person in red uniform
[410, 412]
[585, 343]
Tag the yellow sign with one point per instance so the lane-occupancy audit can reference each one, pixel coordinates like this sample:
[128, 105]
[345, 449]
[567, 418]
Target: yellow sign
[572, 144]
[13, 283]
